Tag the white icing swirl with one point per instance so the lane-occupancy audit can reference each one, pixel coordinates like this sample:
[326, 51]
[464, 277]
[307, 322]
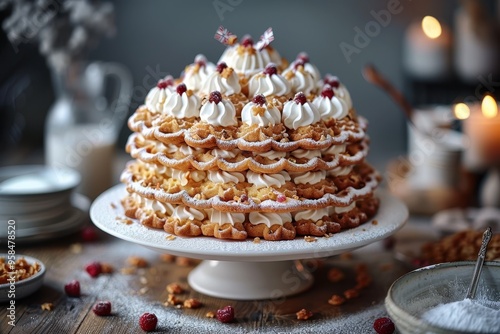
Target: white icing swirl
[188, 150]
[226, 83]
[219, 114]
[309, 177]
[313, 215]
[340, 171]
[342, 209]
[156, 98]
[196, 73]
[271, 155]
[270, 55]
[183, 213]
[300, 80]
[331, 108]
[221, 218]
[269, 218]
[334, 149]
[220, 176]
[342, 93]
[181, 176]
[307, 154]
[311, 68]
[157, 206]
[268, 180]
[268, 85]
[296, 115]
[265, 115]
[218, 153]
[244, 60]
[183, 105]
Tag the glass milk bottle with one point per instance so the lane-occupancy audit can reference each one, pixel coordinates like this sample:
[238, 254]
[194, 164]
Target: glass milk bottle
[84, 122]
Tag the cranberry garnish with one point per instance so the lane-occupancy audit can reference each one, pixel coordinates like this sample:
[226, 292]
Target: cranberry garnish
[148, 322]
[94, 269]
[165, 82]
[244, 198]
[102, 308]
[297, 63]
[247, 41]
[89, 234]
[72, 288]
[221, 67]
[225, 314]
[200, 60]
[303, 56]
[281, 198]
[181, 89]
[384, 326]
[270, 69]
[215, 96]
[259, 99]
[300, 98]
[327, 92]
[332, 80]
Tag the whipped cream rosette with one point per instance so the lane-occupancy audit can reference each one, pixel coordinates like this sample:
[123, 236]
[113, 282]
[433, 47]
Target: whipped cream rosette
[250, 147]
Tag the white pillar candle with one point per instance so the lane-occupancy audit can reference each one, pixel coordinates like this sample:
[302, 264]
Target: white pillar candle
[427, 49]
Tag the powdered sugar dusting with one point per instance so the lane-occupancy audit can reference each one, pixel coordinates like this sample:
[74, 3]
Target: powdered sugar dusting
[391, 216]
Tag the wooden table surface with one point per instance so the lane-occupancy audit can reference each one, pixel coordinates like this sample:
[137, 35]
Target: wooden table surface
[144, 290]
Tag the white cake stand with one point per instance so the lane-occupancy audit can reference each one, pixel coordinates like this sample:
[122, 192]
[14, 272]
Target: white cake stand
[245, 270]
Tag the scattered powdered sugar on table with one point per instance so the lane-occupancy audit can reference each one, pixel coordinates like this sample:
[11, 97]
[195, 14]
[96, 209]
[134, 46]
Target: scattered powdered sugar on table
[478, 316]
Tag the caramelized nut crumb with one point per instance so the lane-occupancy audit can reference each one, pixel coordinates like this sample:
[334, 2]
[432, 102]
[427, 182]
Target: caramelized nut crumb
[174, 288]
[167, 258]
[137, 261]
[336, 300]
[128, 270]
[210, 315]
[173, 300]
[192, 303]
[76, 248]
[143, 280]
[256, 240]
[304, 314]
[335, 275]
[308, 238]
[170, 237]
[375, 222]
[47, 306]
[351, 293]
[107, 268]
[183, 261]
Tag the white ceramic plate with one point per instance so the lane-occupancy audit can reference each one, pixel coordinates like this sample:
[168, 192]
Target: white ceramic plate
[391, 216]
[25, 287]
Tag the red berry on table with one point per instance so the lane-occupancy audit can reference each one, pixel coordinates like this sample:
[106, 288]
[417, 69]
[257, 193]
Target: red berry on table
[94, 269]
[225, 314]
[215, 97]
[102, 308]
[221, 67]
[89, 234]
[148, 322]
[327, 92]
[271, 69]
[72, 288]
[300, 98]
[259, 99]
[384, 326]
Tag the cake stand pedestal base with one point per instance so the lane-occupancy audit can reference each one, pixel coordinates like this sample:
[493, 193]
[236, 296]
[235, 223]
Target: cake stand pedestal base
[250, 280]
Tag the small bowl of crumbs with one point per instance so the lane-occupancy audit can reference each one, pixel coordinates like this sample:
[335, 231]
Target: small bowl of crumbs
[20, 276]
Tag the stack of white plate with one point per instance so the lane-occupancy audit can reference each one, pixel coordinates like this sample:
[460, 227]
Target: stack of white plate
[39, 201]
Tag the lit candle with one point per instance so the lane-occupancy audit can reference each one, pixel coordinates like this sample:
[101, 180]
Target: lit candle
[483, 130]
[427, 51]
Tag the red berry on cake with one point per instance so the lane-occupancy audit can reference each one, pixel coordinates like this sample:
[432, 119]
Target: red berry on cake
[332, 80]
[298, 63]
[181, 89]
[259, 99]
[215, 97]
[148, 322]
[300, 98]
[327, 92]
[221, 67]
[225, 314]
[102, 308]
[200, 60]
[281, 198]
[303, 56]
[244, 198]
[94, 269]
[164, 83]
[271, 69]
[246, 41]
[72, 288]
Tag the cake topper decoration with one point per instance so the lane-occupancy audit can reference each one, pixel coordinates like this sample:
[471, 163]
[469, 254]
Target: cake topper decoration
[225, 36]
[265, 39]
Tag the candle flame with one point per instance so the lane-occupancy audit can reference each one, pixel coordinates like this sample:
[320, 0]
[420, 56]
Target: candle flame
[431, 27]
[489, 107]
[461, 111]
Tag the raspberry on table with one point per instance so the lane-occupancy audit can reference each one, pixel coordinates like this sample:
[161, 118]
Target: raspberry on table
[89, 234]
[72, 288]
[384, 326]
[148, 322]
[102, 308]
[94, 269]
[225, 314]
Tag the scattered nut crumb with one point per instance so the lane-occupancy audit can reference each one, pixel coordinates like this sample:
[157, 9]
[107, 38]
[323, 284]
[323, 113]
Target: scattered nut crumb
[256, 240]
[346, 256]
[174, 288]
[173, 300]
[125, 221]
[128, 270]
[113, 205]
[210, 315]
[308, 238]
[374, 222]
[351, 293]
[107, 268]
[47, 306]
[137, 261]
[304, 314]
[76, 248]
[170, 237]
[336, 300]
[183, 261]
[192, 303]
[335, 275]
[143, 290]
[143, 280]
[167, 258]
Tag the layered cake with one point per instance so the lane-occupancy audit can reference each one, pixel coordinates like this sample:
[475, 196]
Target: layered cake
[252, 146]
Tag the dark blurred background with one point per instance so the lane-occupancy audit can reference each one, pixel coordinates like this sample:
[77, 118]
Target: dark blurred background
[156, 37]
